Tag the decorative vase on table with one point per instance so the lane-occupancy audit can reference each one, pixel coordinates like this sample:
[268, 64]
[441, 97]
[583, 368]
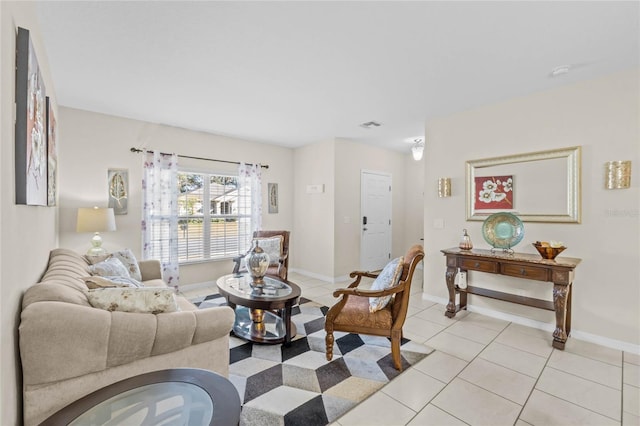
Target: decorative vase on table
[257, 264]
[465, 241]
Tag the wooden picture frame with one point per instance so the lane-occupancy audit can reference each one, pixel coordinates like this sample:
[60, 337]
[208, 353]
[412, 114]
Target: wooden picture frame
[272, 195]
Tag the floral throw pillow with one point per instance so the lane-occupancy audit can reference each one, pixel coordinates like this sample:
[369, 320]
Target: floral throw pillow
[128, 259]
[146, 300]
[109, 267]
[389, 277]
[105, 282]
[273, 247]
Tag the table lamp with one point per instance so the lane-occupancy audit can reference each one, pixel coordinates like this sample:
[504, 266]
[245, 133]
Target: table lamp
[96, 220]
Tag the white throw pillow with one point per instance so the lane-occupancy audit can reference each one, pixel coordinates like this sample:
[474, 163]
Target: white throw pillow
[128, 259]
[272, 246]
[389, 277]
[146, 300]
[97, 281]
[111, 267]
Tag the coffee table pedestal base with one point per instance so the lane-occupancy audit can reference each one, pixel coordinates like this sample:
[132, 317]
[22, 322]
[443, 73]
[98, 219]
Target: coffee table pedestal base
[262, 326]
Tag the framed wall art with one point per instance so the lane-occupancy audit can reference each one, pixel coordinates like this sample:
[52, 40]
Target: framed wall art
[539, 186]
[31, 126]
[493, 193]
[52, 156]
[118, 180]
[273, 197]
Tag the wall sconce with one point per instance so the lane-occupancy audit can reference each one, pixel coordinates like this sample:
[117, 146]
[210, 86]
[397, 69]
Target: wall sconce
[617, 174]
[444, 187]
[417, 149]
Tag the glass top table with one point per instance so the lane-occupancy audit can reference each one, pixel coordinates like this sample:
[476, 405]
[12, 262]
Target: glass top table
[182, 396]
[263, 313]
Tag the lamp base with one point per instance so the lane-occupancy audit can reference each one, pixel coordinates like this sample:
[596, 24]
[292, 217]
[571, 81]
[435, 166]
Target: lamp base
[97, 249]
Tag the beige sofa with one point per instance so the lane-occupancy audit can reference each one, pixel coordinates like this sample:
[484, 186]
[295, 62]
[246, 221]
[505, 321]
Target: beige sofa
[69, 348]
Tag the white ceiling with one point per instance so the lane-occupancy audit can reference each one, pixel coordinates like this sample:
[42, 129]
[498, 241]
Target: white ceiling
[293, 73]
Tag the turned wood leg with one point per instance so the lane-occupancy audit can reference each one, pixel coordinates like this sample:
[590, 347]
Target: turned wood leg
[329, 342]
[395, 349]
[560, 301]
[451, 287]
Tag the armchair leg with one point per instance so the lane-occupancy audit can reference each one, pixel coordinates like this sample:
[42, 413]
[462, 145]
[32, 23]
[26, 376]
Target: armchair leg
[329, 342]
[395, 349]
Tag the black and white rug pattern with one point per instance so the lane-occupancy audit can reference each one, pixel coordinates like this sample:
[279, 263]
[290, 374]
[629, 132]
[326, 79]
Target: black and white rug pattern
[296, 385]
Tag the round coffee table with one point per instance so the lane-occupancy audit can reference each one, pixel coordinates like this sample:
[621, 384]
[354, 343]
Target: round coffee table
[263, 314]
[176, 396]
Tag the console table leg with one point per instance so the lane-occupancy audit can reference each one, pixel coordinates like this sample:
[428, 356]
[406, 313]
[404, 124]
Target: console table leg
[451, 287]
[561, 301]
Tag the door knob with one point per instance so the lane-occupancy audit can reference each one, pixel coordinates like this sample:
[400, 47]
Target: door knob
[364, 229]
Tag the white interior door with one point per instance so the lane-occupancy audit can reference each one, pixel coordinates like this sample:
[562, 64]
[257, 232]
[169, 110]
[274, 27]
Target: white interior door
[375, 220]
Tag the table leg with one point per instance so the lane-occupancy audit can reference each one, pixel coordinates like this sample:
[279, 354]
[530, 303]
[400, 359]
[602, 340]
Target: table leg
[286, 317]
[561, 300]
[451, 287]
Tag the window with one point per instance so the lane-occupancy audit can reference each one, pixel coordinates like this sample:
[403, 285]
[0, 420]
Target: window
[210, 223]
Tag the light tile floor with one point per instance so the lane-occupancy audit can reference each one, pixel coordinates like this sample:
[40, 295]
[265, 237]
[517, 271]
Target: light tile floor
[487, 371]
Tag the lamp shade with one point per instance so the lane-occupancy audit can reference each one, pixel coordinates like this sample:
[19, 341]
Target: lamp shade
[94, 219]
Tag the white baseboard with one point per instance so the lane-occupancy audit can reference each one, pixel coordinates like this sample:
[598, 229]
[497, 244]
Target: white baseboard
[332, 280]
[196, 286]
[575, 334]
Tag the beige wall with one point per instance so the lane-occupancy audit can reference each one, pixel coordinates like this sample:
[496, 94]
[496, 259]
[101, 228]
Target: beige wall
[93, 143]
[314, 218]
[351, 159]
[602, 116]
[28, 233]
[327, 225]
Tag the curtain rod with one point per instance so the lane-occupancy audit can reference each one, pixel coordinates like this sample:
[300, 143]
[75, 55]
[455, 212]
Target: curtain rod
[136, 150]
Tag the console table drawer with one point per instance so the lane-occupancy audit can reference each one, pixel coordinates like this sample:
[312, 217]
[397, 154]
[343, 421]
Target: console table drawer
[479, 265]
[522, 271]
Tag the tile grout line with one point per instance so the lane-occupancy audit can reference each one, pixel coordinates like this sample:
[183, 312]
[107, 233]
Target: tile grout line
[536, 383]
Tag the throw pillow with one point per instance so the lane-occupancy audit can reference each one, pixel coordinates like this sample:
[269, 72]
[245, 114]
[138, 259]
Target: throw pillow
[273, 247]
[96, 259]
[127, 257]
[389, 277]
[110, 267]
[105, 282]
[146, 300]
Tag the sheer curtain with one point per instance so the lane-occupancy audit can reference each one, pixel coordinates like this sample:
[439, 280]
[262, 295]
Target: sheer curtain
[160, 212]
[249, 203]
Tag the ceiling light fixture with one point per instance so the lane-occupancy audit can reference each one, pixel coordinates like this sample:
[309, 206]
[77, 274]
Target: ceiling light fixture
[370, 124]
[561, 70]
[417, 149]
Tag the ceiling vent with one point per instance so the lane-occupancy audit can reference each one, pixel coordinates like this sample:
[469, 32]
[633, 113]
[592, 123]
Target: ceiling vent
[370, 124]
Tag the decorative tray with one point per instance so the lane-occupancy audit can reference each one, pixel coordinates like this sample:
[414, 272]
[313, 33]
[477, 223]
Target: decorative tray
[503, 230]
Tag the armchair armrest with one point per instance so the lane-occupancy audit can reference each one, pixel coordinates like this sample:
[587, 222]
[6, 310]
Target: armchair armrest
[236, 267]
[367, 293]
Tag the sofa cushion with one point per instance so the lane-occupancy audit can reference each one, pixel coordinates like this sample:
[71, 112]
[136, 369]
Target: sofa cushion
[127, 257]
[109, 267]
[65, 264]
[389, 277]
[150, 300]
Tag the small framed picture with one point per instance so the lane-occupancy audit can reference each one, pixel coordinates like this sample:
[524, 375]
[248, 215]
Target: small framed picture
[118, 181]
[273, 197]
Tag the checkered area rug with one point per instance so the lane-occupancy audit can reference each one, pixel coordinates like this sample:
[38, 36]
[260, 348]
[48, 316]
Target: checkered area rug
[296, 385]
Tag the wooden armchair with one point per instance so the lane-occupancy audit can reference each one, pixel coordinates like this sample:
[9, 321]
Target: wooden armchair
[351, 314]
[281, 267]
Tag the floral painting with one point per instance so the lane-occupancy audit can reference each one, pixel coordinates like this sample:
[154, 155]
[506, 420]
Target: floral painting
[31, 126]
[494, 193]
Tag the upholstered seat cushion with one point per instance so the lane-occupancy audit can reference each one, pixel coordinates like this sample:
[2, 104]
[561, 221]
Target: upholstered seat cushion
[356, 312]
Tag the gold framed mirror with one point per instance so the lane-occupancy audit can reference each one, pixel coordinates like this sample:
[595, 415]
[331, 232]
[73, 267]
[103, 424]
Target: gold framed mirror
[539, 186]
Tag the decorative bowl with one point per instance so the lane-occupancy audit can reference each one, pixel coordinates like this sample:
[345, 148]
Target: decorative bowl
[548, 252]
[503, 230]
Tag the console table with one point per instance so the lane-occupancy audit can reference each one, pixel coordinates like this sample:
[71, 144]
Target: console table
[518, 265]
